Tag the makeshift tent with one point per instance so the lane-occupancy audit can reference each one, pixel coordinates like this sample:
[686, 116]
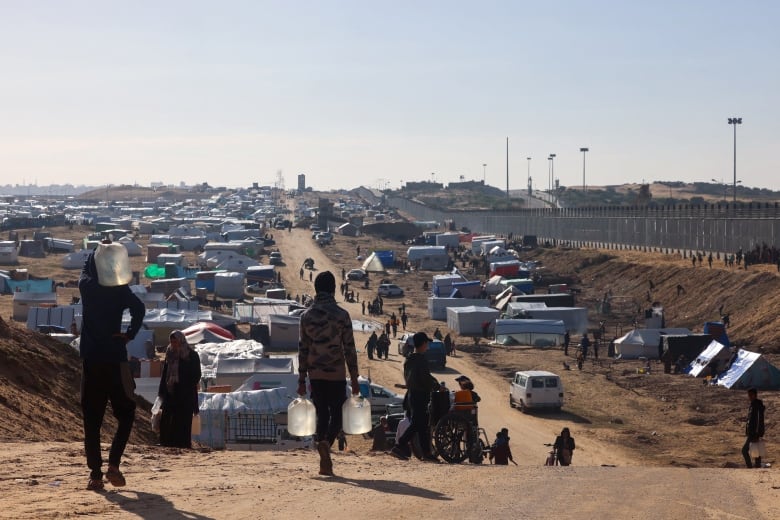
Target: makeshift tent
[466, 289]
[451, 240]
[526, 285]
[260, 273]
[225, 417]
[750, 370]
[205, 280]
[76, 259]
[642, 343]
[507, 268]
[207, 332]
[233, 262]
[442, 283]
[437, 307]
[285, 332]
[717, 330]
[493, 285]
[552, 300]
[689, 346]
[373, 264]
[476, 243]
[386, 257]
[62, 316]
[133, 248]
[9, 255]
[31, 248]
[429, 258]
[710, 361]
[58, 245]
[468, 320]
[229, 285]
[536, 333]
[348, 230]
[575, 319]
[24, 301]
[44, 285]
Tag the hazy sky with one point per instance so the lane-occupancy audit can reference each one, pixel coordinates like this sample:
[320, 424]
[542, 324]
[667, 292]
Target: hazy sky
[375, 93]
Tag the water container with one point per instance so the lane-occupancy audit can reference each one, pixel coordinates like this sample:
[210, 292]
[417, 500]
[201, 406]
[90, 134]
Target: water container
[356, 414]
[301, 418]
[113, 265]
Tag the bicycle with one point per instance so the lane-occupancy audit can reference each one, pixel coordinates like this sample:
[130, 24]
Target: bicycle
[552, 456]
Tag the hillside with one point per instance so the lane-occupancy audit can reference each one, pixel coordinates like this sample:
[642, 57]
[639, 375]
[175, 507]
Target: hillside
[39, 391]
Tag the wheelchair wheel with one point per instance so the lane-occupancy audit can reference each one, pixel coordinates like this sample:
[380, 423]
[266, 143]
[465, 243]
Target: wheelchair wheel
[451, 438]
[476, 451]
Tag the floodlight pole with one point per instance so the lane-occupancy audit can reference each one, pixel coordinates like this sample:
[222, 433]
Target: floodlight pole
[583, 150]
[735, 121]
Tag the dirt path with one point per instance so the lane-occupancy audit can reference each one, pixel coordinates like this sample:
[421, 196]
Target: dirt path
[528, 433]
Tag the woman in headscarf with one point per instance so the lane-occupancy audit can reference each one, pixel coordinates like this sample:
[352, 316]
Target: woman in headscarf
[179, 392]
[564, 447]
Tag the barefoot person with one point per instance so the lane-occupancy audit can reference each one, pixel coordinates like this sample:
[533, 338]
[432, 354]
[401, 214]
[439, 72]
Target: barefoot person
[326, 346]
[105, 369]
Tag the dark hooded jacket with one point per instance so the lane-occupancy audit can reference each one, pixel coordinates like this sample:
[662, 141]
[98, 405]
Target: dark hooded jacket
[101, 329]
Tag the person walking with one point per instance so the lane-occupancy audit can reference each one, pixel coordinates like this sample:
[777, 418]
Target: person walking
[404, 319]
[564, 447]
[754, 429]
[584, 344]
[500, 454]
[382, 346]
[566, 340]
[326, 351]
[371, 345]
[419, 386]
[105, 369]
[178, 391]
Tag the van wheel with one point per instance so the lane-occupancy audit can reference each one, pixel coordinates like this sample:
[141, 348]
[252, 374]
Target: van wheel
[523, 407]
[511, 402]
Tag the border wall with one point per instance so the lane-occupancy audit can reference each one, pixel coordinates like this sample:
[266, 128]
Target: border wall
[708, 227]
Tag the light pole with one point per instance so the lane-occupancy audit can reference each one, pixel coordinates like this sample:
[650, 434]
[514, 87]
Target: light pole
[735, 121]
[552, 172]
[529, 175]
[583, 150]
[484, 170]
[549, 179]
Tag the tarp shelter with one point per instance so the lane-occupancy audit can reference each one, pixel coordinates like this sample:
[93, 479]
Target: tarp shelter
[429, 258]
[750, 370]
[689, 346]
[61, 316]
[442, 283]
[451, 240]
[348, 230]
[285, 332]
[44, 285]
[493, 285]
[710, 361]
[575, 319]
[387, 257]
[31, 248]
[133, 248]
[260, 308]
[225, 417]
[643, 343]
[76, 259]
[9, 254]
[207, 332]
[437, 307]
[506, 268]
[468, 320]
[24, 301]
[235, 263]
[373, 264]
[229, 285]
[260, 273]
[551, 300]
[536, 333]
[466, 289]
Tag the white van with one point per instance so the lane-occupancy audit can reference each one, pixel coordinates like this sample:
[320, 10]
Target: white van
[536, 389]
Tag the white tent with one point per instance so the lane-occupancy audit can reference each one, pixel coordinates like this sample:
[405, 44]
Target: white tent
[493, 285]
[9, 254]
[373, 264]
[133, 248]
[469, 320]
[537, 333]
[715, 356]
[574, 318]
[643, 343]
[751, 370]
[437, 307]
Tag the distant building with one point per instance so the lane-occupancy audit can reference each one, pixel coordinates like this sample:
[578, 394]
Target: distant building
[301, 182]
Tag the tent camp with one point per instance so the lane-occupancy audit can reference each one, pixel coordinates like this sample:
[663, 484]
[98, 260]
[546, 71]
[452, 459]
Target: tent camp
[537, 333]
[710, 361]
[468, 320]
[750, 370]
[643, 343]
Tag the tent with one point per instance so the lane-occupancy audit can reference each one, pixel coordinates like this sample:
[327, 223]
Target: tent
[437, 307]
[537, 333]
[642, 343]
[468, 320]
[76, 259]
[31, 248]
[348, 230]
[207, 332]
[575, 319]
[710, 360]
[373, 264]
[8, 253]
[689, 346]
[750, 370]
[493, 285]
[285, 332]
[133, 248]
[431, 258]
[24, 301]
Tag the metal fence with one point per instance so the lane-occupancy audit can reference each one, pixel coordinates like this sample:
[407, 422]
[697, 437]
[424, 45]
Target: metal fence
[708, 227]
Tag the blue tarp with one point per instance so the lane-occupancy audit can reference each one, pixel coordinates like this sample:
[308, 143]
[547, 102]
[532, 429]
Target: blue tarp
[37, 286]
[386, 257]
[717, 330]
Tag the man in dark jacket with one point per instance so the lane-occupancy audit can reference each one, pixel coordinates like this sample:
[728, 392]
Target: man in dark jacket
[419, 386]
[754, 429]
[326, 345]
[106, 371]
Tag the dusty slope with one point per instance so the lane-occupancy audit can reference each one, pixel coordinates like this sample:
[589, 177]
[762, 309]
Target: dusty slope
[39, 391]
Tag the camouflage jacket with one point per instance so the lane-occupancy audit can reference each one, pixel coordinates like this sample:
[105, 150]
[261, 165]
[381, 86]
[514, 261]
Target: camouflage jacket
[327, 343]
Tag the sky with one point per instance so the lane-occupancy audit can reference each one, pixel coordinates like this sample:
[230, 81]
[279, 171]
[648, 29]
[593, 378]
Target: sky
[376, 94]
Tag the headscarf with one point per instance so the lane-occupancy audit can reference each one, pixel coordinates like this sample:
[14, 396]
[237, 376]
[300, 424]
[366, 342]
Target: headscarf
[172, 358]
